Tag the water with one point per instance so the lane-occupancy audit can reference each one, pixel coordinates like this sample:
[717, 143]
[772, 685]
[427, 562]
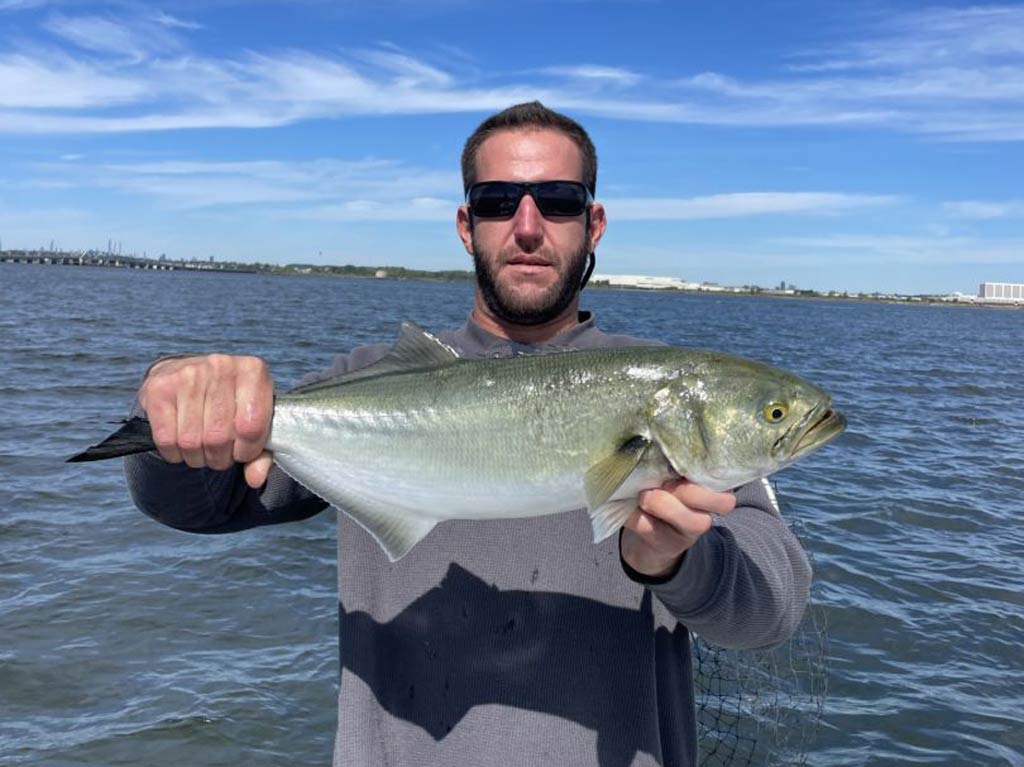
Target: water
[127, 643]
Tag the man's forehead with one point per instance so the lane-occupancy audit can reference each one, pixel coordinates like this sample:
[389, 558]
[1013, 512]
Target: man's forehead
[529, 154]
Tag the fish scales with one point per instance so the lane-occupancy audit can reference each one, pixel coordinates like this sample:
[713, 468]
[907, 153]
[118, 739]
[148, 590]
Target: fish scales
[476, 433]
[424, 436]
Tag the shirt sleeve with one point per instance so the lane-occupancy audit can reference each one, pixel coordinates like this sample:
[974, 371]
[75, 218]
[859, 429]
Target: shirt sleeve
[208, 501]
[745, 583]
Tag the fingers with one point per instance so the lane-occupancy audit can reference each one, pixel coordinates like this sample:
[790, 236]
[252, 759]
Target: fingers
[211, 411]
[667, 522]
[161, 409]
[219, 413]
[661, 538]
[191, 401]
[665, 508]
[699, 498]
[254, 403]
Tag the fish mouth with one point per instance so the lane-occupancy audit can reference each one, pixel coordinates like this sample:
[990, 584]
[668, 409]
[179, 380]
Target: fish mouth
[818, 427]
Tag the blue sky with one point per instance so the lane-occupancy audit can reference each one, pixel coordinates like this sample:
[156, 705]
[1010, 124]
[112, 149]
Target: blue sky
[854, 146]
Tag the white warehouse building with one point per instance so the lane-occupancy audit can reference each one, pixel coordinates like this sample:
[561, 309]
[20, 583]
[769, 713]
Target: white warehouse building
[643, 281]
[1001, 291]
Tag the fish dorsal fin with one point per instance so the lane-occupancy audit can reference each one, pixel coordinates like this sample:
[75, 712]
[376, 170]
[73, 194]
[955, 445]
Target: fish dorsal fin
[415, 349]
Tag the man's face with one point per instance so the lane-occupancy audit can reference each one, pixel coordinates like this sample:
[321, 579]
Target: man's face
[529, 267]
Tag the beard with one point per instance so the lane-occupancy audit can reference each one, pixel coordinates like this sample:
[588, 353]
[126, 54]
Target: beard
[507, 305]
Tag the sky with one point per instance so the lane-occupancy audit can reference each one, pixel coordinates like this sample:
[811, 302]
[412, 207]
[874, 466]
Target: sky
[855, 146]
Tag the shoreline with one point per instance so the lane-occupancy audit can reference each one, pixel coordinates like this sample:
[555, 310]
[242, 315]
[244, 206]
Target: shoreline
[112, 261]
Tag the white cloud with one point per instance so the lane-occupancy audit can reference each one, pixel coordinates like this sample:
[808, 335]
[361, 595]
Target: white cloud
[890, 249]
[339, 187]
[929, 37]
[982, 209]
[417, 209]
[172, 21]
[58, 82]
[408, 71]
[597, 73]
[380, 189]
[741, 204]
[954, 74]
[133, 38]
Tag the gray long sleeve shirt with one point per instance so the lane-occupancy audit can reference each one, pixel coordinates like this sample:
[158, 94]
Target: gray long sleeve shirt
[515, 642]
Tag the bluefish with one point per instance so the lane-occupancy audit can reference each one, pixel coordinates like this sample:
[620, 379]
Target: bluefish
[424, 435]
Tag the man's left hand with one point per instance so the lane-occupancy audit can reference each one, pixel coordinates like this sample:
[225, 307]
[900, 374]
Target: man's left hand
[667, 522]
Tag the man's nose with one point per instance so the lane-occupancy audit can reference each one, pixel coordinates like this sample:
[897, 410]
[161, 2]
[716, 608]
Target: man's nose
[529, 224]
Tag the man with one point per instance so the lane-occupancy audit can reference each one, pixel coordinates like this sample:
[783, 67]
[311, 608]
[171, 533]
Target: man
[512, 642]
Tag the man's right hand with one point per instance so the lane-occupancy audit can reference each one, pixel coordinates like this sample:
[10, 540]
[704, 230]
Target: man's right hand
[211, 411]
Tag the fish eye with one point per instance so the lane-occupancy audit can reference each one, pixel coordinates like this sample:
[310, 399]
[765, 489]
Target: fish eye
[775, 412]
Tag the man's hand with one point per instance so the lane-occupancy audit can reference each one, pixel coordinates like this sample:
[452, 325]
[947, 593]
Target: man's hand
[211, 411]
[667, 522]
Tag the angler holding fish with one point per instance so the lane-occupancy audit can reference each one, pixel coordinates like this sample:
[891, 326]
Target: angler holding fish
[479, 626]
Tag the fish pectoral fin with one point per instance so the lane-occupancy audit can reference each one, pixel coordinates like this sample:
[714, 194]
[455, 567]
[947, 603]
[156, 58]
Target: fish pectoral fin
[610, 517]
[604, 477]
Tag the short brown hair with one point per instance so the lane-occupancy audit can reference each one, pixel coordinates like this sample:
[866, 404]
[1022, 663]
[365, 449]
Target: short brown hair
[536, 116]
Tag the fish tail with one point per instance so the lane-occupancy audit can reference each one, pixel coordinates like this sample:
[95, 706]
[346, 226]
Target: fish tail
[134, 436]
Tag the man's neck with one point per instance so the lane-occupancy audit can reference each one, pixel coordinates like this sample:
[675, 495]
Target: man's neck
[527, 334]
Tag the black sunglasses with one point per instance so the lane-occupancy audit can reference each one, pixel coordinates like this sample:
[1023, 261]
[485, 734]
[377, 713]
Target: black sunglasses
[500, 199]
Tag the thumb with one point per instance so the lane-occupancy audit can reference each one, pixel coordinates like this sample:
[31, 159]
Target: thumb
[256, 470]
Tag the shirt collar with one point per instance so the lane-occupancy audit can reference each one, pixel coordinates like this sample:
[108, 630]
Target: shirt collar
[475, 339]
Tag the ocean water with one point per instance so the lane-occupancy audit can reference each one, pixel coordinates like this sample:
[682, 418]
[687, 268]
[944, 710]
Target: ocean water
[123, 642]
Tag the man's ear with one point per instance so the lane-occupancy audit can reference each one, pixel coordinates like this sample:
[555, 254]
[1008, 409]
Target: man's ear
[596, 224]
[464, 226]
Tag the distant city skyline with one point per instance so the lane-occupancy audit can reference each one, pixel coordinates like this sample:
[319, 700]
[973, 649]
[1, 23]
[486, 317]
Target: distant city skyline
[835, 146]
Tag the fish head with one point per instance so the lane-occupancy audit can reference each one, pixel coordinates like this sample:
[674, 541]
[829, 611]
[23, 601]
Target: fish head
[729, 420]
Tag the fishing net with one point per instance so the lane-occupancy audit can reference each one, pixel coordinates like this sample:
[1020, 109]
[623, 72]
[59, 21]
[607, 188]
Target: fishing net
[762, 708]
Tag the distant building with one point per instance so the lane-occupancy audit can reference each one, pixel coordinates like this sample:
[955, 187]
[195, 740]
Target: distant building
[642, 281]
[1001, 292]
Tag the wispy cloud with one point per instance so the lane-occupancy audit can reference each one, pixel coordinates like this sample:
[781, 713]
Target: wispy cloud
[375, 189]
[984, 209]
[58, 82]
[407, 71]
[859, 248]
[951, 73]
[741, 205]
[432, 209]
[596, 73]
[132, 38]
[932, 37]
[330, 184]
[167, 20]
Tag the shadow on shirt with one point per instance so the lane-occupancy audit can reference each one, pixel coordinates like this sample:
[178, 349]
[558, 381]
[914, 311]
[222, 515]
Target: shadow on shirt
[465, 643]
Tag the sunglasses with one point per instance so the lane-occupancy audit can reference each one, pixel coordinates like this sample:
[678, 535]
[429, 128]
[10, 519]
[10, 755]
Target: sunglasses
[500, 199]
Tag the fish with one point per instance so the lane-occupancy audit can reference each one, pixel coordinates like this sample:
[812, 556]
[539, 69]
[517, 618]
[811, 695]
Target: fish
[425, 435]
